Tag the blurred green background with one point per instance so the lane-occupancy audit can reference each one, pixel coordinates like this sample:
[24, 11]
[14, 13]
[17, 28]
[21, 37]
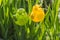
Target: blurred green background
[16, 25]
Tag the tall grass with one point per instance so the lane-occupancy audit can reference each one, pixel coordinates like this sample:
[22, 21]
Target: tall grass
[49, 29]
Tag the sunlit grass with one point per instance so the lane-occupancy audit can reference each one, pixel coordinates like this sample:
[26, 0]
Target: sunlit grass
[11, 20]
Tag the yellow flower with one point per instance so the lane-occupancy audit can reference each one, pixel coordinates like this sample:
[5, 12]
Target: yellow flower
[37, 14]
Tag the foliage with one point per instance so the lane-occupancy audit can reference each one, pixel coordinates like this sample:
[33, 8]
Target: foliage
[13, 28]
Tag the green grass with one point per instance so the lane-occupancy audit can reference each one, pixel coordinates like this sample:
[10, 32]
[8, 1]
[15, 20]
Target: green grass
[49, 29]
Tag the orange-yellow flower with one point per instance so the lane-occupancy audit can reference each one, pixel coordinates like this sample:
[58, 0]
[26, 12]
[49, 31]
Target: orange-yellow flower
[37, 14]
